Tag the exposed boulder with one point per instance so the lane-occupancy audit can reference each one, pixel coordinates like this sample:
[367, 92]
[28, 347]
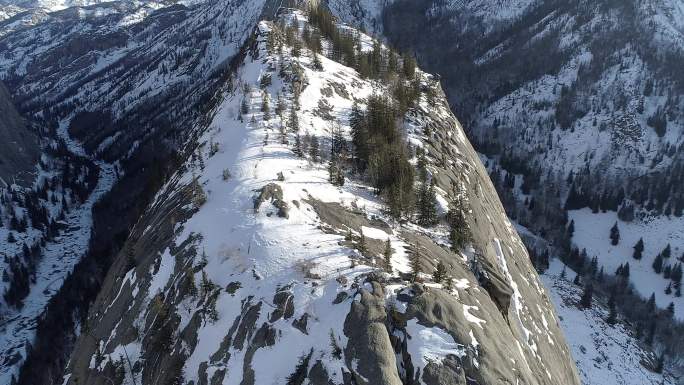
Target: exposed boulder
[369, 355]
[274, 193]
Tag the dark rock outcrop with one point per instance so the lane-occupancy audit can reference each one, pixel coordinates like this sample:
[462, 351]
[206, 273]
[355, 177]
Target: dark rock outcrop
[273, 193]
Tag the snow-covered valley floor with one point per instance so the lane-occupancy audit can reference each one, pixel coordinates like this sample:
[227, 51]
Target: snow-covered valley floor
[592, 233]
[605, 354]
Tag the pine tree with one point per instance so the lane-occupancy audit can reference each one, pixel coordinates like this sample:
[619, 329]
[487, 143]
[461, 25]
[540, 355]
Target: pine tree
[265, 108]
[440, 272]
[614, 234]
[585, 301]
[336, 350]
[459, 232]
[651, 332]
[191, 286]
[313, 148]
[427, 205]
[298, 146]
[612, 311]
[359, 133]
[576, 281]
[449, 284]
[409, 66]
[293, 120]
[337, 155]
[593, 266]
[363, 248]
[571, 228]
[296, 47]
[651, 304]
[421, 165]
[671, 309]
[658, 264]
[625, 271]
[335, 174]
[638, 249]
[676, 275]
[667, 252]
[363, 66]
[388, 256]
[414, 263]
[280, 106]
[317, 65]
[206, 285]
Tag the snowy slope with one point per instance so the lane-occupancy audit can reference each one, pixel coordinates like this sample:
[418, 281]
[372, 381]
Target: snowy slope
[281, 295]
[58, 5]
[7, 11]
[604, 354]
[592, 233]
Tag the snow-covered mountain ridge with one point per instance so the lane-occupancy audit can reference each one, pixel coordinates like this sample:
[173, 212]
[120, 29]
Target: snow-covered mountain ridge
[251, 267]
[572, 101]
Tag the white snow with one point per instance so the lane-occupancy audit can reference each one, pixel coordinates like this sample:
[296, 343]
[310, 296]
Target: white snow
[592, 233]
[163, 274]
[605, 355]
[374, 233]
[430, 344]
[470, 317]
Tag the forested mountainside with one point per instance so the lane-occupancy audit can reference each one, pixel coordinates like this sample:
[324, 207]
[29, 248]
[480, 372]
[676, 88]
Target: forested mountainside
[248, 201]
[20, 149]
[114, 89]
